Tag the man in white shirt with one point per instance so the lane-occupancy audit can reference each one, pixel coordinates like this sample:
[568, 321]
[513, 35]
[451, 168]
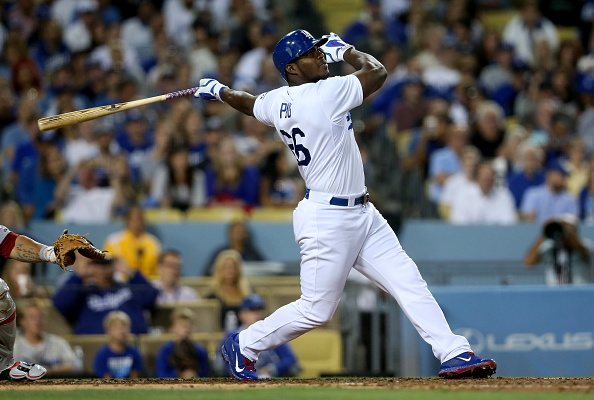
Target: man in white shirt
[446, 162]
[137, 33]
[77, 35]
[85, 202]
[483, 203]
[179, 15]
[35, 346]
[335, 225]
[525, 30]
[249, 67]
[460, 181]
[170, 291]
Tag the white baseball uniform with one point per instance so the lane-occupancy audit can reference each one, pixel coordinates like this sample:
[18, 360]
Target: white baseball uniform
[7, 306]
[313, 119]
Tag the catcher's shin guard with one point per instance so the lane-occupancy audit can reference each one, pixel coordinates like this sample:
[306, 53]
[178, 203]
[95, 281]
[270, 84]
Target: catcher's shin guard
[7, 326]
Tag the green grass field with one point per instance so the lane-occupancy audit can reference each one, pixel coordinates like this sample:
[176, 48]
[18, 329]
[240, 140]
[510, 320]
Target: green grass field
[286, 393]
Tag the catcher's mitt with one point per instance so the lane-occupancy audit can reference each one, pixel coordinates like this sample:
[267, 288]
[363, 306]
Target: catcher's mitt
[65, 247]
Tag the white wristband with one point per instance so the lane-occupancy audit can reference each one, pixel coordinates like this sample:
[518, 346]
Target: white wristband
[46, 253]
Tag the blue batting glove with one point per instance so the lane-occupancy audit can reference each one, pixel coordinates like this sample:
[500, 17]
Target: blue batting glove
[334, 48]
[210, 89]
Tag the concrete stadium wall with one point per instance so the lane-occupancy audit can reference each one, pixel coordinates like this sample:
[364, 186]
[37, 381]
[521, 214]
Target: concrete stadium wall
[424, 241]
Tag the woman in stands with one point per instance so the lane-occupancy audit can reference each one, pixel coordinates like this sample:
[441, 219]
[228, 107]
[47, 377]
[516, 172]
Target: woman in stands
[177, 184]
[229, 286]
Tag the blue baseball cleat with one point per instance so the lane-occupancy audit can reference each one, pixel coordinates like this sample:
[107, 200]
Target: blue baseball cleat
[467, 365]
[241, 367]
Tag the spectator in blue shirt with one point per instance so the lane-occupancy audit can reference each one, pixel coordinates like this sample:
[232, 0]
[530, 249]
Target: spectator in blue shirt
[136, 141]
[278, 362]
[50, 47]
[15, 135]
[550, 199]
[359, 30]
[586, 198]
[497, 78]
[86, 297]
[530, 173]
[446, 162]
[182, 358]
[229, 182]
[117, 359]
[25, 165]
[52, 167]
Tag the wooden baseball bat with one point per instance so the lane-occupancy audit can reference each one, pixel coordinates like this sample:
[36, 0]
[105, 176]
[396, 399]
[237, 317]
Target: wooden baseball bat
[74, 117]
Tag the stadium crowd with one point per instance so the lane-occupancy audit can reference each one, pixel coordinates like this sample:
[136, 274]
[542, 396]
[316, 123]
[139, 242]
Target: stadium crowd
[520, 96]
[475, 125]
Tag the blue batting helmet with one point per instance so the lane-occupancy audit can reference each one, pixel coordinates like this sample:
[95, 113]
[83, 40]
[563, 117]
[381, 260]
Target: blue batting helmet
[291, 46]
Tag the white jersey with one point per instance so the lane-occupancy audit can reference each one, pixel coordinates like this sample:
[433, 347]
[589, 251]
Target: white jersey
[313, 119]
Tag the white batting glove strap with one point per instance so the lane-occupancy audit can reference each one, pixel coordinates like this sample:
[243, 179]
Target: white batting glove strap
[46, 253]
[210, 89]
[334, 48]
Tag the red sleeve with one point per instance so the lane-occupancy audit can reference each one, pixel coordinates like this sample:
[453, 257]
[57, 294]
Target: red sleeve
[8, 244]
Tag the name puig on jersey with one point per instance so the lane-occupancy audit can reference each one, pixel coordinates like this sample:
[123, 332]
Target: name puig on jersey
[285, 108]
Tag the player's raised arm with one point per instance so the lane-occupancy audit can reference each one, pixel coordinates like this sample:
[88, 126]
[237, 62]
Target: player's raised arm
[370, 71]
[211, 89]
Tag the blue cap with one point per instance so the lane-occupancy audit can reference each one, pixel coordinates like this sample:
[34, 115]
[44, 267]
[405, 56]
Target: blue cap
[558, 166]
[86, 6]
[43, 12]
[412, 79]
[448, 42]
[134, 115]
[519, 65]
[252, 302]
[506, 46]
[585, 83]
[268, 28]
[57, 62]
[291, 46]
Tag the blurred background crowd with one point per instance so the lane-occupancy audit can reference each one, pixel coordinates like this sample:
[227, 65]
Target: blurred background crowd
[486, 117]
[473, 114]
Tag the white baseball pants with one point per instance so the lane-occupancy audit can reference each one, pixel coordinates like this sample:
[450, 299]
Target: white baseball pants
[7, 326]
[334, 239]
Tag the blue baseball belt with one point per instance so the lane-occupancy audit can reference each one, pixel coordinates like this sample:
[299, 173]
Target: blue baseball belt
[338, 201]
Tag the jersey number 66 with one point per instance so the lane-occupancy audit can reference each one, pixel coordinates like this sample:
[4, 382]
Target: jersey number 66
[297, 148]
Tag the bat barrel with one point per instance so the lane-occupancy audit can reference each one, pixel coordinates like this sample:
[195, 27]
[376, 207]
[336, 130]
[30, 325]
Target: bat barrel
[75, 117]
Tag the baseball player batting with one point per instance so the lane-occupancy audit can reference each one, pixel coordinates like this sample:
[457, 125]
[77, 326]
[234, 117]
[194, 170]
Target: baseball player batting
[335, 225]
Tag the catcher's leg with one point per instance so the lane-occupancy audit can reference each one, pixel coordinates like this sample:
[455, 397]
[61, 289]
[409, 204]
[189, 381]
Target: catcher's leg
[7, 326]
[9, 368]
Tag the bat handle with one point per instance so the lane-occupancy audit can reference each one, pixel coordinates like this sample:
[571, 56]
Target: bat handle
[181, 93]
